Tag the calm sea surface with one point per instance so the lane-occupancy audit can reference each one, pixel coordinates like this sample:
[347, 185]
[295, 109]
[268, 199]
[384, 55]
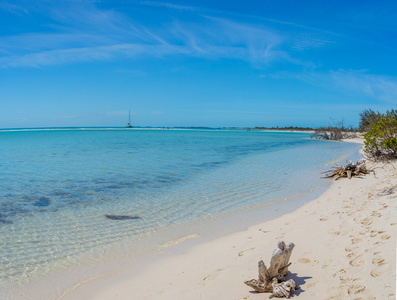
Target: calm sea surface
[57, 186]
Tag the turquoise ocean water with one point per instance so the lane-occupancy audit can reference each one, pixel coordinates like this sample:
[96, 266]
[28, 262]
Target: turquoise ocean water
[58, 185]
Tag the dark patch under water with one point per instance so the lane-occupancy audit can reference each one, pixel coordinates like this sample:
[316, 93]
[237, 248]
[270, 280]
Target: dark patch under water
[118, 217]
[42, 202]
[212, 164]
[3, 221]
[60, 193]
[115, 187]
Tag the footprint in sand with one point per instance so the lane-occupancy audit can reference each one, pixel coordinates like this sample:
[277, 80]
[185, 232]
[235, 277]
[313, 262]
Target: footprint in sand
[350, 255]
[385, 236]
[348, 249]
[376, 272]
[335, 233]
[358, 261]
[373, 233]
[340, 271]
[378, 261]
[376, 214]
[324, 219]
[345, 280]
[362, 232]
[304, 260]
[356, 240]
[366, 221]
[381, 264]
[241, 253]
[355, 289]
[213, 275]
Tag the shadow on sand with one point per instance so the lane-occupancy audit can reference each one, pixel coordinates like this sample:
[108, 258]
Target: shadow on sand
[300, 282]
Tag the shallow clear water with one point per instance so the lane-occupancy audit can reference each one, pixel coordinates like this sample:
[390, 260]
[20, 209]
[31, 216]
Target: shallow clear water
[56, 186]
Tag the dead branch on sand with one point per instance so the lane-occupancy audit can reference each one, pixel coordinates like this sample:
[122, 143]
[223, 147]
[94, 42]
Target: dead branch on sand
[357, 169]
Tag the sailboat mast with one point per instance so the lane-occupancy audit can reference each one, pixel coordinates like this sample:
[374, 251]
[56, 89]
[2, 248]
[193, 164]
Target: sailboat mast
[129, 120]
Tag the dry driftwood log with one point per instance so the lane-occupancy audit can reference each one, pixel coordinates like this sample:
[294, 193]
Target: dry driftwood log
[283, 289]
[351, 169]
[268, 279]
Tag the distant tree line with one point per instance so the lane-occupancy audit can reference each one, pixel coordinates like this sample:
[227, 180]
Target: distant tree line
[286, 128]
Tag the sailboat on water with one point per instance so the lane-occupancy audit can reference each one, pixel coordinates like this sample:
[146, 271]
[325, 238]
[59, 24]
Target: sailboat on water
[129, 120]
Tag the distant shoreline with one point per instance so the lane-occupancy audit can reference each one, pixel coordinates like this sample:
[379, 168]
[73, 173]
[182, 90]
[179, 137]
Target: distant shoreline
[150, 127]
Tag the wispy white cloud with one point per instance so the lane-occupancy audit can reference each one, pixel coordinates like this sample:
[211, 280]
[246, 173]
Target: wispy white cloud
[61, 56]
[170, 5]
[86, 33]
[379, 87]
[303, 44]
[13, 8]
[100, 53]
[215, 38]
[353, 82]
[80, 31]
[349, 83]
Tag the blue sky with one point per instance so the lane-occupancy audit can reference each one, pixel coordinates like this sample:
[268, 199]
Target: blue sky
[195, 63]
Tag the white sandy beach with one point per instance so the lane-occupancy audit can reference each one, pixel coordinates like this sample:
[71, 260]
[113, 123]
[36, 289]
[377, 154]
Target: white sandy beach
[345, 249]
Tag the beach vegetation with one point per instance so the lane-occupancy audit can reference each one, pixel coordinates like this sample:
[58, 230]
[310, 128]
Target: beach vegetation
[367, 118]
[381, 138]
[336, 131]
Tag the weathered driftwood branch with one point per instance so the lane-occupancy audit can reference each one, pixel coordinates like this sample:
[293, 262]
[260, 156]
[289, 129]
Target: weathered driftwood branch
[283, 289]
[357, 169]
[280, 259]
[268, 278]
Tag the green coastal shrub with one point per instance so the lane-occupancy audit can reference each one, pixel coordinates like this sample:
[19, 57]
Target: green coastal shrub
[381, 139]
[367, 118]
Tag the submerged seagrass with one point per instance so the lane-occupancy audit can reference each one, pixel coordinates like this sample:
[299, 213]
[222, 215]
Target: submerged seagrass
[117, 217]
